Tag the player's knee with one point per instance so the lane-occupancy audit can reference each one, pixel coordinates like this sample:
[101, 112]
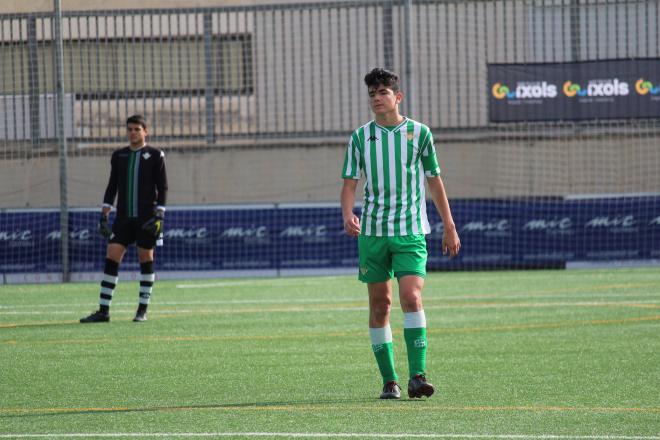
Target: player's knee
[411, 299]
[381, 308]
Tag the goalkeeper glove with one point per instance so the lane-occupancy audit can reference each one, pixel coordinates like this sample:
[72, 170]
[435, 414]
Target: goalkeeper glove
[154, 225]
[104, 228]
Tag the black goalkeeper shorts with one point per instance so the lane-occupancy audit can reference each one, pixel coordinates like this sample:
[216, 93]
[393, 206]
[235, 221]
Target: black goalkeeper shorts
[126, 231]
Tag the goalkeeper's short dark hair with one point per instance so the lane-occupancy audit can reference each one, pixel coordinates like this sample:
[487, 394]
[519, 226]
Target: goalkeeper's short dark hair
[381, 77]
[137, 119]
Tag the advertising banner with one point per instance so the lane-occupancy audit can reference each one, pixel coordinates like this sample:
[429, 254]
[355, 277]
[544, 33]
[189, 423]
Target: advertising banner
[614, 89]
[275, 240]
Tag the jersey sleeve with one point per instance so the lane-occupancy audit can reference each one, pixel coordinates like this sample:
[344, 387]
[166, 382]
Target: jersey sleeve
[429, 158]
[111, 188]
[161, 181]
[352, 162]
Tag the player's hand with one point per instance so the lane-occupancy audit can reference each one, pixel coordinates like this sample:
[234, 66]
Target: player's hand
[104, 228]
[352, 226]
[450, 242]
[154, 225]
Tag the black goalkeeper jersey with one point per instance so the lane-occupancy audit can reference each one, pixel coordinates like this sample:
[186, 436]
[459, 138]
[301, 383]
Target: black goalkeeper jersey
[139, 181]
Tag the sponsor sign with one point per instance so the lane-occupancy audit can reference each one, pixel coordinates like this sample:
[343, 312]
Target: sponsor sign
[549, 232]
[494, 233]
[619, 89]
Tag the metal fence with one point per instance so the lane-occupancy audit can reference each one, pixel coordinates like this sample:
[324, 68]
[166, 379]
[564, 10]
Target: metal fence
[221, 75]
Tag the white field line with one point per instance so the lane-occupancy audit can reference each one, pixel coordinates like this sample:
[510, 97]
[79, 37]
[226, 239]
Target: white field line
[602, 274]
[339, 300]
[190, 303]
[302, 309]
[267, 281]
[493, 305]
[334, 435]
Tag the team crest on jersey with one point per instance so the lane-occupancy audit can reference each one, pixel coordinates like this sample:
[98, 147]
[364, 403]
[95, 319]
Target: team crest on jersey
[410, 136]
[146, 155]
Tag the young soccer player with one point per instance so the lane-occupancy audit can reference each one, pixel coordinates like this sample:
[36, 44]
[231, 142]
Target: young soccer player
[395, 153]
[139, 181]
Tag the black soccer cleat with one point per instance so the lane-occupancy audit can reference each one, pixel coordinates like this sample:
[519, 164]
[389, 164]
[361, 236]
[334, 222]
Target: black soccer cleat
[418, 387]
[97, 316]
[140, 317]
[391, 390]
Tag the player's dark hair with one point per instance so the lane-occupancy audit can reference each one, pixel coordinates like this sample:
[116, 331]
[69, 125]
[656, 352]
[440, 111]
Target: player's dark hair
[381, 77]
[137, 119]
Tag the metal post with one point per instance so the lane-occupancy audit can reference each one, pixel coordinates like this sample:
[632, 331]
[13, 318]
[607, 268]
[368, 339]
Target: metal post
[33, 82]
[388, 37]
[61, 141]
[575, 28]
[209, 93]
[408, 45]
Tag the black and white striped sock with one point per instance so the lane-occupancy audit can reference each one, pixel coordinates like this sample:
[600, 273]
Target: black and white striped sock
[108, 284]
[147, 278]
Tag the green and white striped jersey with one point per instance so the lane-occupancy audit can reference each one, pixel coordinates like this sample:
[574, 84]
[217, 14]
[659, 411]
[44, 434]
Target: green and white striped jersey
[395, 162]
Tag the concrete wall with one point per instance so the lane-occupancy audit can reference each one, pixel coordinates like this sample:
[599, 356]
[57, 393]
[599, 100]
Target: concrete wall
[312, 174]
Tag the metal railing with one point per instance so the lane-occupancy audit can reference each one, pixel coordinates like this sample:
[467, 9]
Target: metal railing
[213, 76]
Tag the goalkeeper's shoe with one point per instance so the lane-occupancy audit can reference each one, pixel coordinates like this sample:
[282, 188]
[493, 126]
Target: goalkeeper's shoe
[140, 316]
[97, 316]
[391, 390]
[418, 387]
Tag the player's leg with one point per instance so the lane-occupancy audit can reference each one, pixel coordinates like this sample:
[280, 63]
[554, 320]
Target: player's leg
[114, 254]
[414, 322]
[409, 262]
[375, 270]
[380, 332]
[146, 243]
[147, 278]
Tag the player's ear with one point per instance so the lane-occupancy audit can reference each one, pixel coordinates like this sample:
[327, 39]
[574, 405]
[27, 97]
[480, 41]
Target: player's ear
[399, 96]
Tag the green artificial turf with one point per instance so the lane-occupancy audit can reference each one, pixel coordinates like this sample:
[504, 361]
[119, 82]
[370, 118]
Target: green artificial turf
[574, 354]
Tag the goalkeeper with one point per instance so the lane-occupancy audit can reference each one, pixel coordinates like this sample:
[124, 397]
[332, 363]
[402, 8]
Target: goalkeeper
[394, 154]
[139, 182]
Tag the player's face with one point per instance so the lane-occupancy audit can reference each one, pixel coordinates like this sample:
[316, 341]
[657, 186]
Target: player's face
[136, 134]
[383, 100]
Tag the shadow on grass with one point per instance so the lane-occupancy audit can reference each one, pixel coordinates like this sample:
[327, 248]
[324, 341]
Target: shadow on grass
[39, 325]
[274, 405]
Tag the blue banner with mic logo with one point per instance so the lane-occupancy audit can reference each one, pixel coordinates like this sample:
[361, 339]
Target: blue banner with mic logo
[275, 240]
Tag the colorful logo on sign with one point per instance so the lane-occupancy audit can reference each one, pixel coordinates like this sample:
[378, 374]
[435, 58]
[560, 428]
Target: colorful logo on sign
[596, 88]
[500, 91]
[525, 90]
[571, 89]
[644, 87]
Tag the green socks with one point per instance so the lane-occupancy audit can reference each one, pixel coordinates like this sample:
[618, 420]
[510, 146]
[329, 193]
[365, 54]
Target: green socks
[381, 344]
[416, 344]
[414, 332]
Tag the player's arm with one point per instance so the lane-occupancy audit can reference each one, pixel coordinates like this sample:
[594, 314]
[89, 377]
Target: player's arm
[161, 183]
[351, 175]
[351, 221]
[450, 241]
[111, 188]
[155, 224]
[108, 200]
